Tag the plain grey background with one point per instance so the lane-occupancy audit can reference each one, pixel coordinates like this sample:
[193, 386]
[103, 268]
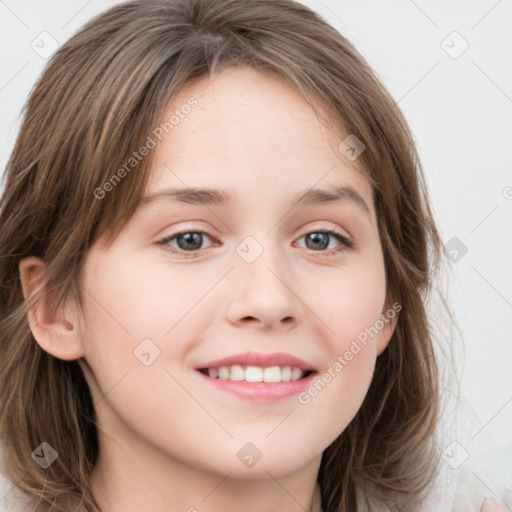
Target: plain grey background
[449, 67]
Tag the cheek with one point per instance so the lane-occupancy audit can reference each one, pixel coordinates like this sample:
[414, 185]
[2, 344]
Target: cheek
[350, 307]
[349, 302]
[131, 309]
[133, 300]
[340, 387]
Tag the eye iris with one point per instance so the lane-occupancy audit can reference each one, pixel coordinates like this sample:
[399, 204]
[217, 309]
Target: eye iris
[191, 238]
[318, 237]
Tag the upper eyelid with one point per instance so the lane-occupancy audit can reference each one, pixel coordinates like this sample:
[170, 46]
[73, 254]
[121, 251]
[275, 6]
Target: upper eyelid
[305, 232]
[336, 230]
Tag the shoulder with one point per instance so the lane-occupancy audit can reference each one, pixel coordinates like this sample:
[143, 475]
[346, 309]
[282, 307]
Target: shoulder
[15, 500]
[474, 464]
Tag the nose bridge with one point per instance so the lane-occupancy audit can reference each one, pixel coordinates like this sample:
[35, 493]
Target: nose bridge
[263, 284]
[261, 257]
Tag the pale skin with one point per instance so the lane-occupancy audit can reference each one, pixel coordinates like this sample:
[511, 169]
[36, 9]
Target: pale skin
[168, 439]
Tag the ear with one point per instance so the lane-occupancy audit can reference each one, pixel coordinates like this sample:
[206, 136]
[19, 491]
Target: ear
[389, 318]
[57, 334]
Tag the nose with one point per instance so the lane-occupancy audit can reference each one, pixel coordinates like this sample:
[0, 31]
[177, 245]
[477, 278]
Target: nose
[262, 293]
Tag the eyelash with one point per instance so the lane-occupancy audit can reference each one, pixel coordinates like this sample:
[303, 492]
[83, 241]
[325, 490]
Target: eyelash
[346, 244]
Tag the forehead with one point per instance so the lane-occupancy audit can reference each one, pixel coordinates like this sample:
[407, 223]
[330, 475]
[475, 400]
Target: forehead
[247, 129]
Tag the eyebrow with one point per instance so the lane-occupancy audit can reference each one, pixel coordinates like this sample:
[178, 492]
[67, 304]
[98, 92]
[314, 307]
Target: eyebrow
[211, 196]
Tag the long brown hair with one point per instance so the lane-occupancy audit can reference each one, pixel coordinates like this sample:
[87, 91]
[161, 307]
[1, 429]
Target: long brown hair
[101, 95]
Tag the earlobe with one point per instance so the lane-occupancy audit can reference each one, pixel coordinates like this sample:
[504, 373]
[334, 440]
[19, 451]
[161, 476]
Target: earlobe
[55, 334]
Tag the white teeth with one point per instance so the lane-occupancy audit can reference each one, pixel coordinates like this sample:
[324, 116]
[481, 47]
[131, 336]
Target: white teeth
[286, 373]
[213, 372]
[223, 373]
[296, 373]
[256, 373]
[237, 372]
[272, 374]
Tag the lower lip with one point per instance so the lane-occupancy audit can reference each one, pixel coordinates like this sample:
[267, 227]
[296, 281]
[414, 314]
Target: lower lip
[261, 390]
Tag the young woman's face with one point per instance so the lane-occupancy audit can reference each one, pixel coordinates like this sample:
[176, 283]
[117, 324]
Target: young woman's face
[254, 274]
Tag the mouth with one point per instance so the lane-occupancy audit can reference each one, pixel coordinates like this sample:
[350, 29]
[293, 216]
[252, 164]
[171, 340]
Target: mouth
[258, 367]
[248, 373]
[258, 384]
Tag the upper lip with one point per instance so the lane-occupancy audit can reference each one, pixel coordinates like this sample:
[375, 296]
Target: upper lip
[262, 360]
